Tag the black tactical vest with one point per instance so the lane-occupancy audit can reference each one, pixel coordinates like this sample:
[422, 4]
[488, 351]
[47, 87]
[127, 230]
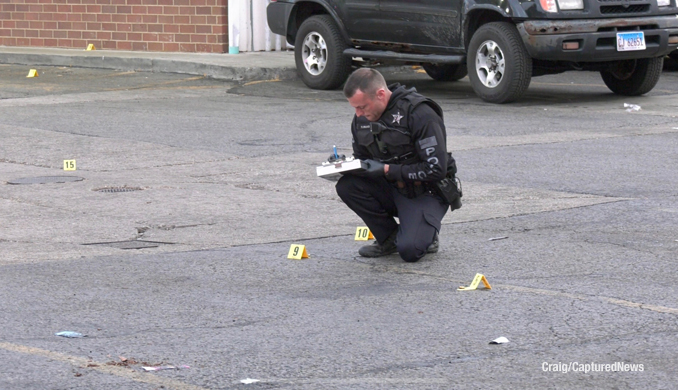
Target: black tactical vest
[390, 139]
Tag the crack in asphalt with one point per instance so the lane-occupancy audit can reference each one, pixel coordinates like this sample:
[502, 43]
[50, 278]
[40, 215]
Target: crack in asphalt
[6, 161]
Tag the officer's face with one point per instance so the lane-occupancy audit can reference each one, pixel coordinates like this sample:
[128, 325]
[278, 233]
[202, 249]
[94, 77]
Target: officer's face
[371, 107]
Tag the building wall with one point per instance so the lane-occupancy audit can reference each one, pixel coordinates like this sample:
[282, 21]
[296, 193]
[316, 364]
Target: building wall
[248, 27]
[144, 25]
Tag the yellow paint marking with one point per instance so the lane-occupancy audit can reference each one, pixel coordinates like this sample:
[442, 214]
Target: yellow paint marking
[192, 87]
[119, 74]
[158, 85]
[260, 81]
[167, 88]
[182, 80]
[83, 363]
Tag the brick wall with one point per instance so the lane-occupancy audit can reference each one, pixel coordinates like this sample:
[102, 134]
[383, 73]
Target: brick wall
[144, 25]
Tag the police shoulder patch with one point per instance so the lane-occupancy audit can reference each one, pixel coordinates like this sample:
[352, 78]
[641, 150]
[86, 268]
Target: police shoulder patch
[428, 142]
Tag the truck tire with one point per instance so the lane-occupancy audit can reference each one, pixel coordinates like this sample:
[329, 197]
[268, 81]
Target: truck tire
[319, 53]
[446, 72]
[499, 67]
[633, 77]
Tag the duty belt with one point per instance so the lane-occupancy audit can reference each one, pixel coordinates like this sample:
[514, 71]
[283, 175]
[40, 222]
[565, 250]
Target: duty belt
[414, 189]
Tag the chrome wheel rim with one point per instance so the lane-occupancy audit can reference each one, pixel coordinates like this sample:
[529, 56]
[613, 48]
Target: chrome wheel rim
[314, 53]
[490, 64]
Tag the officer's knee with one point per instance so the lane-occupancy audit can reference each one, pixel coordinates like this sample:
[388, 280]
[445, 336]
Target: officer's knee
[409, 252]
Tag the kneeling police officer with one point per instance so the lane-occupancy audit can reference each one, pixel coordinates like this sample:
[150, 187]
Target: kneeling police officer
[401, 135]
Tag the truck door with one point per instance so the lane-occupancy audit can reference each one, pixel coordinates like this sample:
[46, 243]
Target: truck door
[423, 22]
[362, 18]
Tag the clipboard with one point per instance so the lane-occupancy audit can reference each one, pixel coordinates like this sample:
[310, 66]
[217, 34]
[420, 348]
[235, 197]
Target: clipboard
[332, 170]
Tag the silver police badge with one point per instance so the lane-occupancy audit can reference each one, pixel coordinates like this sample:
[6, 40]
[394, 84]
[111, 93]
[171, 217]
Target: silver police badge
[397, 117]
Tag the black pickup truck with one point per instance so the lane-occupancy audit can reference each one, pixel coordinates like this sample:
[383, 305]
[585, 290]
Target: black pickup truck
[500, 44]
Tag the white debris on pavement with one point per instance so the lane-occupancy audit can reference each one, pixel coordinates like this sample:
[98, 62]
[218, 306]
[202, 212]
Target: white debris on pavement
[70, 334]
[160, 368]
[499, 340]
[631, 107]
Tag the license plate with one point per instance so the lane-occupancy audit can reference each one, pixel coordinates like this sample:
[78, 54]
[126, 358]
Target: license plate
[629, 41]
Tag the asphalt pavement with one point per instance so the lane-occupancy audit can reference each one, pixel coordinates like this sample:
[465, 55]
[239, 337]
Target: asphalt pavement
[172, 249]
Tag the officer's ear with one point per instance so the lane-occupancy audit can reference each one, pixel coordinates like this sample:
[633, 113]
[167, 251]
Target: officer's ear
[381, 94]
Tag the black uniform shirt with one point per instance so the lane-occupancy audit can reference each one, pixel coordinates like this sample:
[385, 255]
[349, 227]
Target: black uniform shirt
[414, 127]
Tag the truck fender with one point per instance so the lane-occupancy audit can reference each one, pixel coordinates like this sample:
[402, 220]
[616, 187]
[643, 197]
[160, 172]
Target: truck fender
[329, 10]
[507, 8]
[492, 10]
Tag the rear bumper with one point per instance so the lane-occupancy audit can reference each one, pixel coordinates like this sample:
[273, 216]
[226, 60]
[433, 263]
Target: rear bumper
[597, 38]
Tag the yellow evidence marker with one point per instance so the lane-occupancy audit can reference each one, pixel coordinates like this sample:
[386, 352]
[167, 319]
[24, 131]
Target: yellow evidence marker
[69, 165]
[90, 47]
[297, 252]
[363, 233]
[474, 284]
[32, 73]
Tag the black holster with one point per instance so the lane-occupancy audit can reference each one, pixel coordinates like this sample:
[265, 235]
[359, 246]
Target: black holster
[450, 190]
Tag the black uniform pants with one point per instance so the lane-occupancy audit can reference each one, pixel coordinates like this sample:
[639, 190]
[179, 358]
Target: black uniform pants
[377, 203]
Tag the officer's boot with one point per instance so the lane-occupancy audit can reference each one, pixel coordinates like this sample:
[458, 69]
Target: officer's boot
[377, 250]
[433, 248]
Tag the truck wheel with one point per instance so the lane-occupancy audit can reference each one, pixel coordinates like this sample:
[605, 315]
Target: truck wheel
[319, 53]
[633, 77]
[499, 67]
[445, 72]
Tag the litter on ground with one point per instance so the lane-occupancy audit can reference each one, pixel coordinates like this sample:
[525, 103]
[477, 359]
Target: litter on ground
[69, 334]
[160, 368]
[631, 107]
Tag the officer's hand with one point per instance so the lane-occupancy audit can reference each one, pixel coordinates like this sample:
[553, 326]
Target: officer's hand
[374, 169]
[334, 158]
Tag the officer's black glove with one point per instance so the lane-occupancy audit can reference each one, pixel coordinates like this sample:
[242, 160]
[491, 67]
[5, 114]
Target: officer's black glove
[334, 158]
[374, 169]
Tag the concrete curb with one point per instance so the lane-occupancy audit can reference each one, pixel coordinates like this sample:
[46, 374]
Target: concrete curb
[160, 65]
[221, 71]
[243, 67]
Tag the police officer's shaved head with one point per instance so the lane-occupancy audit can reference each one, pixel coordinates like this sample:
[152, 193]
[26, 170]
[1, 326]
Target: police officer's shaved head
[367, 80]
